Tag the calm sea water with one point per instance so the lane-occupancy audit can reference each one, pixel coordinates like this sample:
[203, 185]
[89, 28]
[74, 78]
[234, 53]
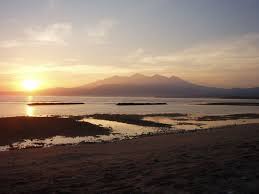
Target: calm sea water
[17, 106]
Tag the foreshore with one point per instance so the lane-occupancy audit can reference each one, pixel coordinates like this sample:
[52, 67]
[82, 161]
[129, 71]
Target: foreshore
[14, 129]
[222, 160]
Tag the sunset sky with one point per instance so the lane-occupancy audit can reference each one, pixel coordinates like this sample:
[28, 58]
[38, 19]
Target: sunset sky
[74, 42]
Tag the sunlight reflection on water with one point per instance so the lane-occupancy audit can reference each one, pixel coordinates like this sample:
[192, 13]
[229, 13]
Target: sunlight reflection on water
[29, 111]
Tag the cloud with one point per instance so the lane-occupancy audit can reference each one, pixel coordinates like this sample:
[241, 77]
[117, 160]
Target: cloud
[229, 62]
[54, 34]
[236, 52]
[99, 33]
[10, 43]
[138, 53]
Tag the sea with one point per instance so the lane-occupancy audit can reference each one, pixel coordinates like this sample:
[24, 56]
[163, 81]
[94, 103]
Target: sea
[17, 106]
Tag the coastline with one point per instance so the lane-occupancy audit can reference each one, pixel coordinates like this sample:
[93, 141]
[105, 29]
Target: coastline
[40, 132]
[219, 160]
[15, 129]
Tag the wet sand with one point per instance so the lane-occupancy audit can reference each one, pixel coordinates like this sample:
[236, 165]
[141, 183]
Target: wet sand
[223, 160]
[13, 129]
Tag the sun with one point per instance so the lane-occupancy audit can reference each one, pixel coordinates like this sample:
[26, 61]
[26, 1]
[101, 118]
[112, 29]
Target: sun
[30, 85]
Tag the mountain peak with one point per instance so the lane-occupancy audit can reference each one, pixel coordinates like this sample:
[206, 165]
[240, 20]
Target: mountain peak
[156, 85]
[157, 76]
[138, 76]
[175, 78]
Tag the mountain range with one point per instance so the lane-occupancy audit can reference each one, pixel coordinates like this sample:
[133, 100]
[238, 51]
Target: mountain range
[155, 86]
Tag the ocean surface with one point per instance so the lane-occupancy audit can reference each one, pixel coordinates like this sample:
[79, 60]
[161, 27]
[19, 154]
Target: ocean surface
[17, 106]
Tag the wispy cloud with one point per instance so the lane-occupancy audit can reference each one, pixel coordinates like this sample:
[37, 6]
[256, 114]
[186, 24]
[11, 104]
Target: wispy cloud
[99, 33]
[55, 33]
[237, 51]
[44, 35]
[10, 43]
[231, 59]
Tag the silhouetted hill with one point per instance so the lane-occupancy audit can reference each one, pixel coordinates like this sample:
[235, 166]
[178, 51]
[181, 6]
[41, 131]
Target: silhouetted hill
[157, 85]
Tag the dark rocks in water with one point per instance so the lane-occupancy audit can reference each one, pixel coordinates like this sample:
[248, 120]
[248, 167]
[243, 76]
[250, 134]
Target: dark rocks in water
[233, 103]
[228, 117]
[54, 103]
[141, 103]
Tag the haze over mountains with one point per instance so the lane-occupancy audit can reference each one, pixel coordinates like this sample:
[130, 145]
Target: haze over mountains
[155, 86]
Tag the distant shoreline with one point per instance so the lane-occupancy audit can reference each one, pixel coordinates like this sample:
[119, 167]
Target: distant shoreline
[133, 96]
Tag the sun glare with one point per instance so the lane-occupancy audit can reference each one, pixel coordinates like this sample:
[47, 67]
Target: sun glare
[30, 85]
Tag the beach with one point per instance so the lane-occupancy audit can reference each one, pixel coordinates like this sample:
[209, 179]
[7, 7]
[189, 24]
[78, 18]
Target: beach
[222, 160]
[15, 129]
[129, 97]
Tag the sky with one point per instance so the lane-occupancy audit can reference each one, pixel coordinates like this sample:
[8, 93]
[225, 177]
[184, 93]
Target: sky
[67, 43]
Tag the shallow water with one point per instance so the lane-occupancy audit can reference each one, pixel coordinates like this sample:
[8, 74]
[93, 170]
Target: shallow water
[124, 129]
[192, 124]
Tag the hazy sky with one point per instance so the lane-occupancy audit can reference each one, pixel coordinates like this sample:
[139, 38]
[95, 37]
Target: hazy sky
[73, 42]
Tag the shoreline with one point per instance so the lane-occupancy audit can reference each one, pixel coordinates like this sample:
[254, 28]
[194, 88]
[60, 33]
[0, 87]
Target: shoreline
[219, 160]
[173, 132]
[41, 132]
[15, 129]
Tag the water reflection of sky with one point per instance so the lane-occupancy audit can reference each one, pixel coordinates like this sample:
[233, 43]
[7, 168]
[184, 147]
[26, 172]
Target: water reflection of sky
[15, 106]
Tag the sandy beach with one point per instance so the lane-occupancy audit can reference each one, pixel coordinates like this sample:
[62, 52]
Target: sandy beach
[223, 160]
[129, 97]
